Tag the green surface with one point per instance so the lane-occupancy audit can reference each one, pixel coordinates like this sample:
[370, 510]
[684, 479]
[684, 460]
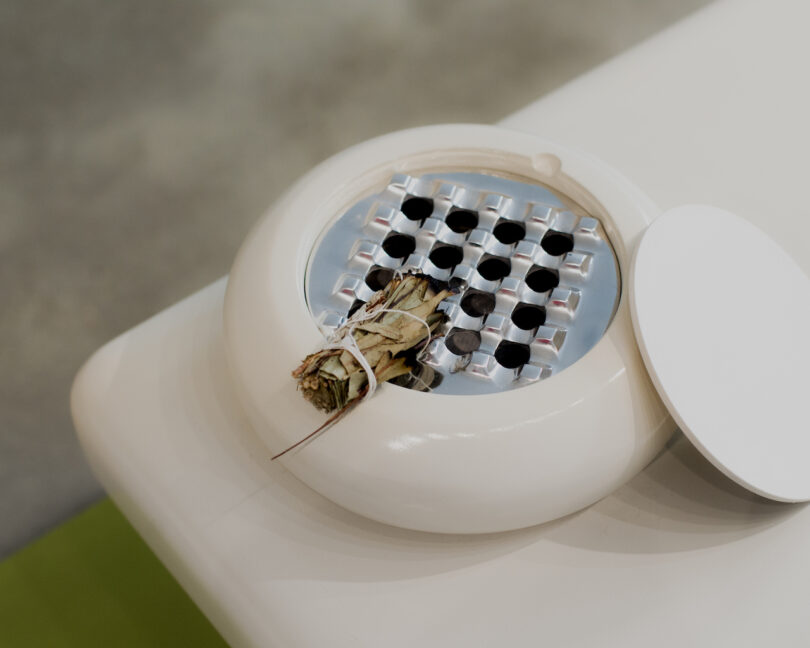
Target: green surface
[93, 582]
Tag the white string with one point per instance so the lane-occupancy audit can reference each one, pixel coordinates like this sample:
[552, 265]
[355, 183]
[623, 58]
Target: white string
[348, 343]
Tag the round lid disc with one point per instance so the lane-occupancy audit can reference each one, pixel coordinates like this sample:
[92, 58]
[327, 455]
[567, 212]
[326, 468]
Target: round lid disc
[722, 318]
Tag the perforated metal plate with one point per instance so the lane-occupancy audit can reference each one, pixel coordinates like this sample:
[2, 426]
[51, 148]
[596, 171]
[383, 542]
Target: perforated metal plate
[536, 277]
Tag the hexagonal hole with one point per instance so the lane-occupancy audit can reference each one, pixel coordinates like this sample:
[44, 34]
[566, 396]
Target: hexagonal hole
[462, 341]
[416, 208]
[542, 279]
[509, 232]
[378, 277]
[557, 243]
[493, 268]
[528, 316]
[446, 256]
[477, 303]
[398, 245]
[512, 355]
[461, 221]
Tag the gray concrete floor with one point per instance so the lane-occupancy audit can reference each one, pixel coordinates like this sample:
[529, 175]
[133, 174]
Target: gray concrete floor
[140, 140]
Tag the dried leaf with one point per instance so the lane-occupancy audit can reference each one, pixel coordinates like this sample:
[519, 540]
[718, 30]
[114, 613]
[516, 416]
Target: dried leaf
[396, 320]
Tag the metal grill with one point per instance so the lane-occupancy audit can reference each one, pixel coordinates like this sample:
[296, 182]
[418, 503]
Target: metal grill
[537, 280]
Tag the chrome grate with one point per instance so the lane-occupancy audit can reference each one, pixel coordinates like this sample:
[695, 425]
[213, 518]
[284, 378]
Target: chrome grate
[537, 280]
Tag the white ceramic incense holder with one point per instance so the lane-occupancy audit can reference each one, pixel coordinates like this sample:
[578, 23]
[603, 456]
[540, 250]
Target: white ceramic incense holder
[535, 402]
[504, 446]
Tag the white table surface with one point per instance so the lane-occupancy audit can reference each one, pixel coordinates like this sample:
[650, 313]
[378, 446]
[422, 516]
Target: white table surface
[713, 110]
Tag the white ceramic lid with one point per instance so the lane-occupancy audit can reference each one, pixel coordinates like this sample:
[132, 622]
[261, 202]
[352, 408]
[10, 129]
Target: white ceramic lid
[722, 317]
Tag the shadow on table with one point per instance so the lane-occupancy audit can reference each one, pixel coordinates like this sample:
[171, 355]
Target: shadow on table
[680, 502]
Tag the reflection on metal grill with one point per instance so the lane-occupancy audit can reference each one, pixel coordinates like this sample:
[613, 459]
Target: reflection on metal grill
[537, 280]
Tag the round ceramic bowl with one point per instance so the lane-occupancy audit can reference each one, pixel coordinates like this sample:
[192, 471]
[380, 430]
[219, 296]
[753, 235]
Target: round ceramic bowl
[471, 460]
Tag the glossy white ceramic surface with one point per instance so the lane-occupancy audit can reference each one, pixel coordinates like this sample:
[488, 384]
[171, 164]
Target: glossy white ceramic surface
[679, 556]
[452, 464]
[722, 315]
[274, 564]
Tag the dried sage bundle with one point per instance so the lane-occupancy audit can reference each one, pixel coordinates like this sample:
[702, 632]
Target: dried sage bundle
[398, 319]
